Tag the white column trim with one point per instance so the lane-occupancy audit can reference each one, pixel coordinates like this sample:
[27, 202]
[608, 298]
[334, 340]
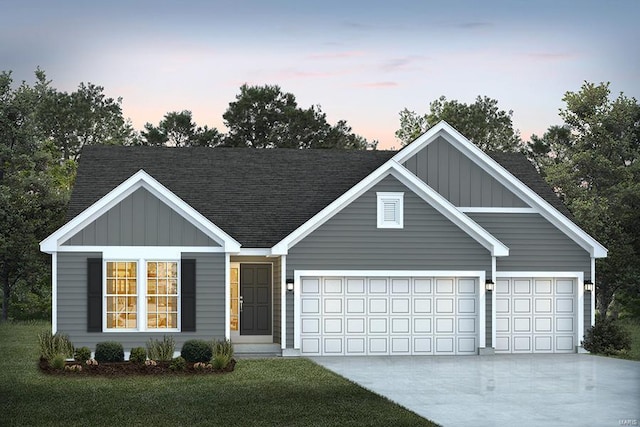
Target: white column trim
[54, 292]
[593, 293]
[482, 321]
[227, 296]
[283, 302]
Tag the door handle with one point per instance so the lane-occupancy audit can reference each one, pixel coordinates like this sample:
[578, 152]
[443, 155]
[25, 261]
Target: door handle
[241, 303]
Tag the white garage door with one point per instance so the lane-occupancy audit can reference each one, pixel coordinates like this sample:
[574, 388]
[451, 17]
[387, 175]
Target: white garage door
[535, 315]
[388, 316]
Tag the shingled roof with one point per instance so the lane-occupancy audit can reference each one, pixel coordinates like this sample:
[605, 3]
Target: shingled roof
[256, 196]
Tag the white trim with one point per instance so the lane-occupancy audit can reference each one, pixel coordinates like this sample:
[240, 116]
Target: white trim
[283, 302]
[397, 198]
[298, 274]
[593, 293]
[198, 249]
[477, 209]
[54, 293]
[433, 198]
[503, 176]
[482, 308]
[254, 252]
[578, 275]
[227, 295]
[140, 179]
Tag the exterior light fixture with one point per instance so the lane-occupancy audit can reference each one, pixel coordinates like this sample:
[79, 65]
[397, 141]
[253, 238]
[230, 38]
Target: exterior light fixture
[290, 285]
[588, 286]
[489, 285]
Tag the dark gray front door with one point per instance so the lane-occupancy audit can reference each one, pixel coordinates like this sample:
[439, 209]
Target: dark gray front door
[255, 291]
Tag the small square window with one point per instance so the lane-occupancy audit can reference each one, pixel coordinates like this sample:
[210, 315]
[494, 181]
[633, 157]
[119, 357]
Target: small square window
[390, 210]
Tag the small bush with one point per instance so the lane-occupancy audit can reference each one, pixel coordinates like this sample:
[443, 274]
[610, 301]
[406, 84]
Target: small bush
[82, 354]
[161, 350]
[196, 351]
[109, 351]
[138, 355]
[220, 361]
[607, 337]
[178, 364]
[223, 347]
[52, 345]
[57, 361]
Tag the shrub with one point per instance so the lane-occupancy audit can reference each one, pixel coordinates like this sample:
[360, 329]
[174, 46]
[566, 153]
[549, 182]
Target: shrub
[607, 337]
[57, 361]
[196, 351]
[52, 345]
[82, 354]
[178, 364]
[109, 351]
[220, 361]
[223, 347]
[138, 355]
[161, 350]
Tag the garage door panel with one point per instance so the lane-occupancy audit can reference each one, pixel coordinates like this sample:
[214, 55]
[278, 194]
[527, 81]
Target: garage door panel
[422, 286]
[332, 326]
[381, 316]
[565, 343]
[536, 315]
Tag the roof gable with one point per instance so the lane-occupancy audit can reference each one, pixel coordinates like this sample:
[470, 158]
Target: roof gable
[140, 179]
[549, 206]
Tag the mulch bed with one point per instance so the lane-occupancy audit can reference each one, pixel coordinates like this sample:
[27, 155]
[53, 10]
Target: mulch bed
[120, 369]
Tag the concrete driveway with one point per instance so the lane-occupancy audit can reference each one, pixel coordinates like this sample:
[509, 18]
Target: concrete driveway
[503, 390]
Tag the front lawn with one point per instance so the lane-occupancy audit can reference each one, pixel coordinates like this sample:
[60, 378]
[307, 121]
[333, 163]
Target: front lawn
[294, 392]
[633, 326]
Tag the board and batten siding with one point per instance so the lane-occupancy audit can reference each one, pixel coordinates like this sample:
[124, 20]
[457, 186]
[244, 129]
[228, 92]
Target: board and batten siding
[141, 219]
[452, 174]
[72, 302]
[351, 241]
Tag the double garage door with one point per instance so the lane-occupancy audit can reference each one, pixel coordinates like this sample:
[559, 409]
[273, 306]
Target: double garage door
[388, 316]
[433, 315]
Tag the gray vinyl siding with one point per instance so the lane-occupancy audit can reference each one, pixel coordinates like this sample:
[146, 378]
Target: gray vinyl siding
[458, 179]
[488, 319]
[351, 241]
[587, 313]
[275, 296]
[72, 302]
[534, 244]
[141, 219]
[290, 319]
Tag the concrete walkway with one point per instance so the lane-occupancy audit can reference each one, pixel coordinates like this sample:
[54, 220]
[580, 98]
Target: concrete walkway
[503, 390]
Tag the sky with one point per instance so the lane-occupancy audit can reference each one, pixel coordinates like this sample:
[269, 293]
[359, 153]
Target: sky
[362, 61]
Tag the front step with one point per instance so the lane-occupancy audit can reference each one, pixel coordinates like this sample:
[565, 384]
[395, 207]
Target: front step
[256, 351]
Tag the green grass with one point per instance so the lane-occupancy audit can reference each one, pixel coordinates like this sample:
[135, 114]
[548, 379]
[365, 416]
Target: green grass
[633, 326]
[293, 392]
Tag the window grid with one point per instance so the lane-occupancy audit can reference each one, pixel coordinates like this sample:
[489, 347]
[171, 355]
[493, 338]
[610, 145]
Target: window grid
[162, 295]
[122, 295]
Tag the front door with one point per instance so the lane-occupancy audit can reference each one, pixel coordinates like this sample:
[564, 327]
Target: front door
[255, 297]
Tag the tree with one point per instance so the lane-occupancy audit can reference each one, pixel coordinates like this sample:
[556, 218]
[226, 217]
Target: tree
[593, 162]
[482, 122]
[83, 117]
[177, 129]
[265, 117]
[32, 199]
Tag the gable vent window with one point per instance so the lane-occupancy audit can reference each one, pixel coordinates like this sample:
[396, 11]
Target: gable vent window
[390, 210]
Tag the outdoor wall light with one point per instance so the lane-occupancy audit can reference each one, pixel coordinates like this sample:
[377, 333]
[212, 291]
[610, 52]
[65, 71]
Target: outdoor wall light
[588, 286]
[290, 285]
[488, 285]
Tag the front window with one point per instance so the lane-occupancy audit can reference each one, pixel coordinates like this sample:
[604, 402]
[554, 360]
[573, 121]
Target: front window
[162, 295]
[142, 295]
[122, 295]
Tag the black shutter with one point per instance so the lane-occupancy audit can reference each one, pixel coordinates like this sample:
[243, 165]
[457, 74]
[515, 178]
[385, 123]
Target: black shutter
[188, 295]
[94, 295]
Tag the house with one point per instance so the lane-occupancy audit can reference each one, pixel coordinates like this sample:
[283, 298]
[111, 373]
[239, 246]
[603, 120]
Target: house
[436, 249]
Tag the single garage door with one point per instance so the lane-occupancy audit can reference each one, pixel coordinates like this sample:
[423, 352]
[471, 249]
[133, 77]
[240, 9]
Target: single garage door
[388, 316]
[535, 315]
